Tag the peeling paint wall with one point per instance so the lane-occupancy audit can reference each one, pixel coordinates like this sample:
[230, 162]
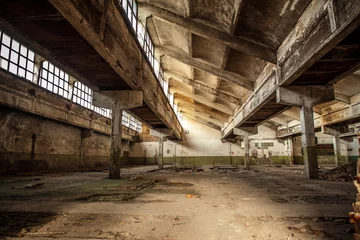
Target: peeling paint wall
[32, 143]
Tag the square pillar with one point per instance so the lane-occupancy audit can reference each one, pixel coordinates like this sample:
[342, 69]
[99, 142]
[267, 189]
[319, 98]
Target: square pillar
[161, 153]
[291, 151]
[337, 149]
[308, 141]
[245, 133]
[116, 145]
[306, 97]
[247, 152]
[117, 100]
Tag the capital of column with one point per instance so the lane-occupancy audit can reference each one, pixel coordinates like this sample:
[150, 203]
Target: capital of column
[305, 95]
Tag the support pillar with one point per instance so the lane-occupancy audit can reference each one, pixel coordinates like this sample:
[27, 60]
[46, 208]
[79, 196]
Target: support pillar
[291, 151]
[247, 152]
[309, 142]
[115, 150]
[162, 134]
[161, 153]
[335, 133]
[306, 97]
[244, 133]
[117, 101]
[337, 149]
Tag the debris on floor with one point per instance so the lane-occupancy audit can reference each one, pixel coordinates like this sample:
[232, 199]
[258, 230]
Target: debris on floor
[344, 173]
[34, 185]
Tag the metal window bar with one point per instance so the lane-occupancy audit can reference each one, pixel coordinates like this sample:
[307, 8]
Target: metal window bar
[132, 123]
[125, 119]
[15, 57]
[54, 79]
[82, 95]
[131, 10]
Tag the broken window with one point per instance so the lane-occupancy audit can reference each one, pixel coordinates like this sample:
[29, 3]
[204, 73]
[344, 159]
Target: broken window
[54, 79]
[15, 57]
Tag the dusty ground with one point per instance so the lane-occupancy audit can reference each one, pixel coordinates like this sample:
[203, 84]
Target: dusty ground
[258, 204]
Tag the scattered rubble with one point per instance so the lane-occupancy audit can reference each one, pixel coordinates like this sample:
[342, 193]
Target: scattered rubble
[34, 185]
[344, 173]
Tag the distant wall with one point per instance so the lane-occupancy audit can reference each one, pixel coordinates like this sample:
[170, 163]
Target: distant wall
[203, 146]
[32, 143]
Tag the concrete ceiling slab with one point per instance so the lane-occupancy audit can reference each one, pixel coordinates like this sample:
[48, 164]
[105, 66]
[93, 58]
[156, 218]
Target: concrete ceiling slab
[349, 86]
[172, 37]
[181, 85]
[208, 51]
[216, 13]
[178, 6]
[203, 94]
[244, 65]
[232, 89]
[205, 78]
[173, 65]
[226, 103]
[269, 22]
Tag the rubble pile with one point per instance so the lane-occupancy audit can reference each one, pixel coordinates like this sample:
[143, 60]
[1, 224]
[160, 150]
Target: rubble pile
[344, 173]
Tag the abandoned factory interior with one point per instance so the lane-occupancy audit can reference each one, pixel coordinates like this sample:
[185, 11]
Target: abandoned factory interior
[180, 119]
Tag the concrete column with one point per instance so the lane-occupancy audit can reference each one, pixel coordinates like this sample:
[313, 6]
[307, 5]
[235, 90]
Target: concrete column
[247, 152]
[308, 141]
[337, 149]
[291, 151]
[117, 101]
[306, 97]
[161, 153]
[244, 133]
[115, 150]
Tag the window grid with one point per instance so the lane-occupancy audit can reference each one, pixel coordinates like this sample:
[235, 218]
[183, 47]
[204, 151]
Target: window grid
[83, 95]
[54, 79]
[131, 9]
[16, 58]
[149, 48]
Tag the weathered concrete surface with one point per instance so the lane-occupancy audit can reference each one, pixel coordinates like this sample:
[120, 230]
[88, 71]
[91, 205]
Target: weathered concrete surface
[24, 96]
[31, 143]
[107, 52]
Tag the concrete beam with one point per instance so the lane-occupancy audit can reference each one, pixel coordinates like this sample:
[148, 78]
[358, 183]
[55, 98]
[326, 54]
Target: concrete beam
[230, 77]
[109, 35]
[320, 28]
[123, 99]
[202, 100]
[161, 132]
[203, 109]
[202, 116]
[241, 44]
[279, 121]
[262, 94]
[305, 95]
[203, 87]
[293, 112]
[342, 97]
[204, 122]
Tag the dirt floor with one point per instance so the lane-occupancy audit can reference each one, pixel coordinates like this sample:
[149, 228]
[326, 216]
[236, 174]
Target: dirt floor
[263, 203]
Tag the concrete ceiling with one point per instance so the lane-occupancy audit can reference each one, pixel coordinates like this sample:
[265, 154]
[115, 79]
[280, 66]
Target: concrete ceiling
[212, 51]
